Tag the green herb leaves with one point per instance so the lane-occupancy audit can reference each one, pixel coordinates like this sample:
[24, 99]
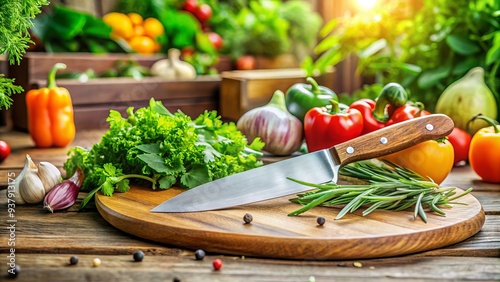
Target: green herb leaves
[15, 22]
[390, 187]
[162, 149]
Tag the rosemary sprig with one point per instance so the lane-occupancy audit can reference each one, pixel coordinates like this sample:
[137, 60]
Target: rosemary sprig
[388, 187]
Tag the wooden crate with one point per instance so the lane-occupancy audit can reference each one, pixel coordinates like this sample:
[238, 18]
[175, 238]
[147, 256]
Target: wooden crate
[241, 91]
[93, 99]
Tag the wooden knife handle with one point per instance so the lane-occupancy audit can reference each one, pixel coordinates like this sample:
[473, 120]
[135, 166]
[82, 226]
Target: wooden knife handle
[393, 138]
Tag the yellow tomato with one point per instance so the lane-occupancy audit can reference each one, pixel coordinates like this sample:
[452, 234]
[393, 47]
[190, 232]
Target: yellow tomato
[431, 159]
[120, 23]
[143, 45]
[153, 28]
[135, 18]
[138, 30]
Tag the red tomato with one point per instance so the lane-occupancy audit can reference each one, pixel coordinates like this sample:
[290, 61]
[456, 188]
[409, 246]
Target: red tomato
[4, 150]
[203, 12]
[187, 51]
[216, 40]
[190, 6]
[460, 140]
[431, 159]
[246, 62]
[484, 154]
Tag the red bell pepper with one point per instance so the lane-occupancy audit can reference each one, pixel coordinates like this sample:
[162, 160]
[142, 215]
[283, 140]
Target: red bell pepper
[366, 107]
[406, 112]
[325, 127]
[376, 114]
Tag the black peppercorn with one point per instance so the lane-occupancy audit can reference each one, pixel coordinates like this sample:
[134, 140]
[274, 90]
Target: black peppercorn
[247, 218]
[320, 220]
[199, 254]
[73, 260]
[138, 255]
[176, 279]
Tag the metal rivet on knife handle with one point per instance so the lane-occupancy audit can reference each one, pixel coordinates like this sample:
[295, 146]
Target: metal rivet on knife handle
[383, 140]
[350, 150]
[429, 127]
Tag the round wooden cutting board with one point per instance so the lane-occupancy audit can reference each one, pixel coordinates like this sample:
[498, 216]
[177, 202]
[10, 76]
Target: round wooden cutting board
[273, 234]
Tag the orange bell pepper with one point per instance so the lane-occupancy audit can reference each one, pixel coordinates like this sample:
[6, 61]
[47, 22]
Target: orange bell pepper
[50, 113]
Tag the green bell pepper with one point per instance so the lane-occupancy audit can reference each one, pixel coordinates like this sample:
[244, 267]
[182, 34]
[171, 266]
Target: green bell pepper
[302, 97]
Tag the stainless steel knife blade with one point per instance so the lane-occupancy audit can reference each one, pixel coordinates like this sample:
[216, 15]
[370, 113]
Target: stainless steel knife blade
[270, 181]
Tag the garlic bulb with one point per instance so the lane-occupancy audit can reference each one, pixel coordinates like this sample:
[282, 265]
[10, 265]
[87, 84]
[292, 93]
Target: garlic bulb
[281, 132]
[49, 174]
[30, 185]
[34, 182]
[173, 67]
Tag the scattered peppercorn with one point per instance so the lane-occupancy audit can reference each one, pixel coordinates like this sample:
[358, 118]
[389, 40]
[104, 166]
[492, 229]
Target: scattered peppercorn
[199, 254]
[138, 255]
[320, 220]
[217, 264]
[176, 279]
[357, 264]
[73, 260]
[96, 262]
[13, 272]
[247, 218]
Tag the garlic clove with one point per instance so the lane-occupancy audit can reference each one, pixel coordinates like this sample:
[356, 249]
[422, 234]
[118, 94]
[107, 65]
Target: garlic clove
[31, 188]
[30, 185]
[49, 174]
[28, 165]
[19, 199]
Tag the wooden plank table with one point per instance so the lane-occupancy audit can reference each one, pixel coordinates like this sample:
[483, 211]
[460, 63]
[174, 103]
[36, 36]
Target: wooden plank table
[44, 243]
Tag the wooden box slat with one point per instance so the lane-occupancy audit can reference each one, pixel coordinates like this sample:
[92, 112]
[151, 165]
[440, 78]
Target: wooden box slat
[93, 100]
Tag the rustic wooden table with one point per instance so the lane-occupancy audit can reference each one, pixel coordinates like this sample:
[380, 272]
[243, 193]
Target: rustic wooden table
[42, 243]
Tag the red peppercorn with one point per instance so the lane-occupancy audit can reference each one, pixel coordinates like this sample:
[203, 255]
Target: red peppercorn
[217, 264]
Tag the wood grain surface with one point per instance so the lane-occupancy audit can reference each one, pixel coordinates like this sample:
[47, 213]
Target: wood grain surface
[273, 234]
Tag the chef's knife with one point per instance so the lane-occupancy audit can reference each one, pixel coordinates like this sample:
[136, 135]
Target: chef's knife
[270, 181]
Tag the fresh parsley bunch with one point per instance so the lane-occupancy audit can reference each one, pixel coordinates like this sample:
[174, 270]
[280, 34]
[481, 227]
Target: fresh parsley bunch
[154, 145]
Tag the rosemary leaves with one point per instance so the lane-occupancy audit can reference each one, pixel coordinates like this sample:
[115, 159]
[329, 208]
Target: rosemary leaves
[387, 187]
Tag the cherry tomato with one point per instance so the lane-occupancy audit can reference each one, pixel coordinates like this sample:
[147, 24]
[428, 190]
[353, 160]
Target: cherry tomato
[432, 159]
[203, 12]
[216, 40]
[187, 52]
[190, 6]
[246, 62]
[4, 150]
[460, 139]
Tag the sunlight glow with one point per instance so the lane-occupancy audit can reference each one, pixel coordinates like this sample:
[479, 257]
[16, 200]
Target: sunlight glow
[366, 4]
